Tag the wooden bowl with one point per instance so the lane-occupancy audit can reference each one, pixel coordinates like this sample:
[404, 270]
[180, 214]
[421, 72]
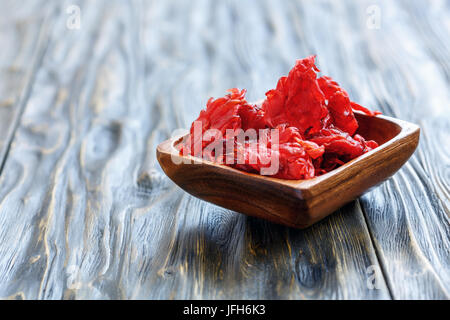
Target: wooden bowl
[295, 203]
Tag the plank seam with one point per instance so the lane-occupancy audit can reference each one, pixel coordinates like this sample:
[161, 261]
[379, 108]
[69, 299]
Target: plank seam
[377, 253]
[42, 45]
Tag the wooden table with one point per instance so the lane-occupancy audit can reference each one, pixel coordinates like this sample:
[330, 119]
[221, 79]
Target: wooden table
[85, 210]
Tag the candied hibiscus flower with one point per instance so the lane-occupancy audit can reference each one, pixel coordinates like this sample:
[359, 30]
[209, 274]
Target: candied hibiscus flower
[306, 123]
[297, 100]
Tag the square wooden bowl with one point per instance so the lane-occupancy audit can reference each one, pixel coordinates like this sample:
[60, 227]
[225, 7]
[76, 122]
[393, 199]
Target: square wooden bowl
[295, 203]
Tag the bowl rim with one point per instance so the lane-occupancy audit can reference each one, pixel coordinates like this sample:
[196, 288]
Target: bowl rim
[308, 187]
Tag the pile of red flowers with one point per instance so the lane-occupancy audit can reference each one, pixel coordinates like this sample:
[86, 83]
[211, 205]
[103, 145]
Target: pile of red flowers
[314, 121]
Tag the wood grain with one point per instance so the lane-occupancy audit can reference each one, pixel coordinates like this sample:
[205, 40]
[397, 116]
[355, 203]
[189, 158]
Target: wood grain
[85, 211]
[409, 216]
[409, 223]
[22, 32]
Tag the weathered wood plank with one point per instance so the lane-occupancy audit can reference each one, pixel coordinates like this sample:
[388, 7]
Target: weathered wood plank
[400, 67]
[86, 211]
[38, 146]
[409, 215]
[23, 44]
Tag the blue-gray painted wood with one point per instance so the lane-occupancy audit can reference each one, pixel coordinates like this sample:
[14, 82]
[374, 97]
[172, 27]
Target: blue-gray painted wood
[86, 212]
